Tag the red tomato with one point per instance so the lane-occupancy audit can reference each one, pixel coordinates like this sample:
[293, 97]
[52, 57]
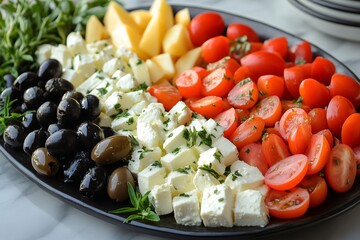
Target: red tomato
[293, 77]
[338, 110]
[274, 148]
[273, 130]
[322, 69]
[244, 94]
[287, 173]
[318, 119]
[288, 104]
[227, 62]
[350, 132]
[291, 119]
[188, 101]
[356, 151]
[209, 106]
[167, 94]
[301, 53]
[215, 49]
[328, 135]
[263, 63]
[299, 138]
[317, 188]
[314, 93]
[340, 171]
[200, 29]
[236, 30]
[318, 153]
[288, 204]
[189, 84]
[201, 71]
[241, 74]
[248, 132]
[252, 154]
[217, 83]
[345, 86]
[270, 85]
[228, 120]
[227, 105]
[278, 44]
[243, 115]
[268, 109]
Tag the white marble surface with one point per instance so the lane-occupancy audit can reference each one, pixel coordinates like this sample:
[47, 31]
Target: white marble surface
[27, 212]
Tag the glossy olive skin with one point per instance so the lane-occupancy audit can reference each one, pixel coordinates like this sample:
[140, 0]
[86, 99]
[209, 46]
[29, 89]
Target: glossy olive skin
[68, 112]
[33, 97]
[34, 140]
[30, 122]
[44, 163]
[90, 107]
[50, 68]
[54, 127]
[25, 81]
[56, 87]
[78, 167]
[78, 96]
[14, 136]
[117, 187]
[94, 182]
[13, 94]
[63, 143]
[90, 134]
[46, 114]
[9, 80]
[108, 132]
[111, 150]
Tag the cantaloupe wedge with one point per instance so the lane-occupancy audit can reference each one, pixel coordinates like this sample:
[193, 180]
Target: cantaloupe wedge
[155, 71]
[187, 61]
[166, 63]
[183, 17]
[95, 30]
[142, 18]
[177, 41]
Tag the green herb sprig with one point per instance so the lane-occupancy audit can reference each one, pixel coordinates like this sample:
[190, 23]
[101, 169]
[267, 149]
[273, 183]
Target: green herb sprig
[141, 207]
[6, 116]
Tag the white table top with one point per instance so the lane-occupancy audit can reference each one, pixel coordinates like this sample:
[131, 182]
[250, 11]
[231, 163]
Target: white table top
[28, 212]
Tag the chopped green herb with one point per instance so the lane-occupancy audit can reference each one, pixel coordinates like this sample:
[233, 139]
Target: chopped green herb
[130, 121]
[157, 164]
[176, 150]
[170, 135]
[221, 199]
[227, 171]
[134, 142]
[218, 155]
[210, 170]
[142, 86]
[184, 170]
[139, 61]
[216, 191]
[184, 195]
[235, 175]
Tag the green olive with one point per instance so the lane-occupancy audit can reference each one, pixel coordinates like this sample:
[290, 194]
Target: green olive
[117, 188]
[111, 150]
[44, 163]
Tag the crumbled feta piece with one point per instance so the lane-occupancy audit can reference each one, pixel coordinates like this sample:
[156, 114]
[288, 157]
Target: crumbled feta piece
[62, 54]
[126, 83]
[213, 128]
[143, 157]
[84, 64]
[97, 46]
[182, 113]
[89, 84]
[227, 149]
[160, 197]
[111, 66]
[213, 159]
[125, 120]
[151, 176]
[73, 76]
[140, 71]
[181, 180]
[43, 52]
[204, 179]
[187, 209]
[178, 158]
[104, 89]
[75, 43]
[175, 139]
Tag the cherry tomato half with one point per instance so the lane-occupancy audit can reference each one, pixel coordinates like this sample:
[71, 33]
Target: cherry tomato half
[189, 84]
[236, 30]
[214, 49]
[167, 94]
[252, 154]
[317, 188]
[209, 106]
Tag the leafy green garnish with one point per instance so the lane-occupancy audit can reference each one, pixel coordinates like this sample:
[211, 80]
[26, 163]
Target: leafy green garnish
[6, 116]
[141, 207]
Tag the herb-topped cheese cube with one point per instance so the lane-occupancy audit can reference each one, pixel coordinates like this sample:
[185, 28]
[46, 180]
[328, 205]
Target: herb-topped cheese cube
[90, 84]
[73, 76]
[263, 189]
[84, 64]
[140, 71]
[244, 176]
[250, 209]
[182, 113]
[97, 46]
[111, 66]
[187, 209]
[179, 158]
[124, 121]
[143, 157]
[75, 43]
[151, 176]
[217, 206]
[213, 128]
[181, 180]
[197, 124]
[103, 90]
[205, 177]
[212, 158]
[139, 107]
[62, 54]
[125, 83]
[160, 197]
[228, 150]
[112, 104]
[175, 139]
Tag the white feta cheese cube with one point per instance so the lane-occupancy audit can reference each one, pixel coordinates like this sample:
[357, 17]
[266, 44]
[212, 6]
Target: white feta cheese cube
[43, 52]
[213, 159]
[182, 113]
[126, 83]
[104, 89]
[148, 135]
[140, 71]
[160, 197]
[62, 54]
[181, 180]
[213, 128]
[75, 43]
[133, 97]
[118, 74]
[250, 209]
[227, 149]
[97, 46]
[151, 176]
[178, 158]
[175, 139]
[187, 209]
[150, 98]
[125, 120]
[84, 64]
[73, 76]
[217, 206]
[139, 107]
[197, 124]
[263, 189]
[244, 176]
[104, 120]
[90, 84]
[143, 157]
[111, 66]
[118, 102]
[123, 52]
[204, 179]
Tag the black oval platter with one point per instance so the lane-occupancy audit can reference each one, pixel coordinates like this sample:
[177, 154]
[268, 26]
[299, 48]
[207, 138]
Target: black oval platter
[334, 205]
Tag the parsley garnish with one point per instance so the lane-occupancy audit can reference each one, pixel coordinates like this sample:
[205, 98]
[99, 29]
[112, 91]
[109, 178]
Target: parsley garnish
[133, 141]
[235, 175]
[210, 170]
[184, 195]
[221, 199]
[218, 155]
[6, 116]
[156, 164]
[130, 121]
[139, 61]
[176, 150]
[142, 86]
[184, 170]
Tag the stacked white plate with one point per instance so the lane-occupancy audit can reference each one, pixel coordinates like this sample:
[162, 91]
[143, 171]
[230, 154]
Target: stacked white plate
[340, 18]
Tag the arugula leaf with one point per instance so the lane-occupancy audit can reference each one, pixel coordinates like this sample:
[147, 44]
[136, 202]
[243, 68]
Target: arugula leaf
[141, 207]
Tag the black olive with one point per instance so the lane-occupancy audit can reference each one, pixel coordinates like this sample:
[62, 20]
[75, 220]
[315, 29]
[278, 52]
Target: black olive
[56, 87]
[34, 140]
[78, 167]
[9, 80]
[90, 107]
[30, 122]
[108, 132]
[13, 93]
[44, 163]
[14, 136]
[94, 182]
[25, 81]
[90, 134]
[78, 96]
[33, 97]
[64, 142]
[68, 112]
[50, 68]
[54, 127]
[46, 114]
